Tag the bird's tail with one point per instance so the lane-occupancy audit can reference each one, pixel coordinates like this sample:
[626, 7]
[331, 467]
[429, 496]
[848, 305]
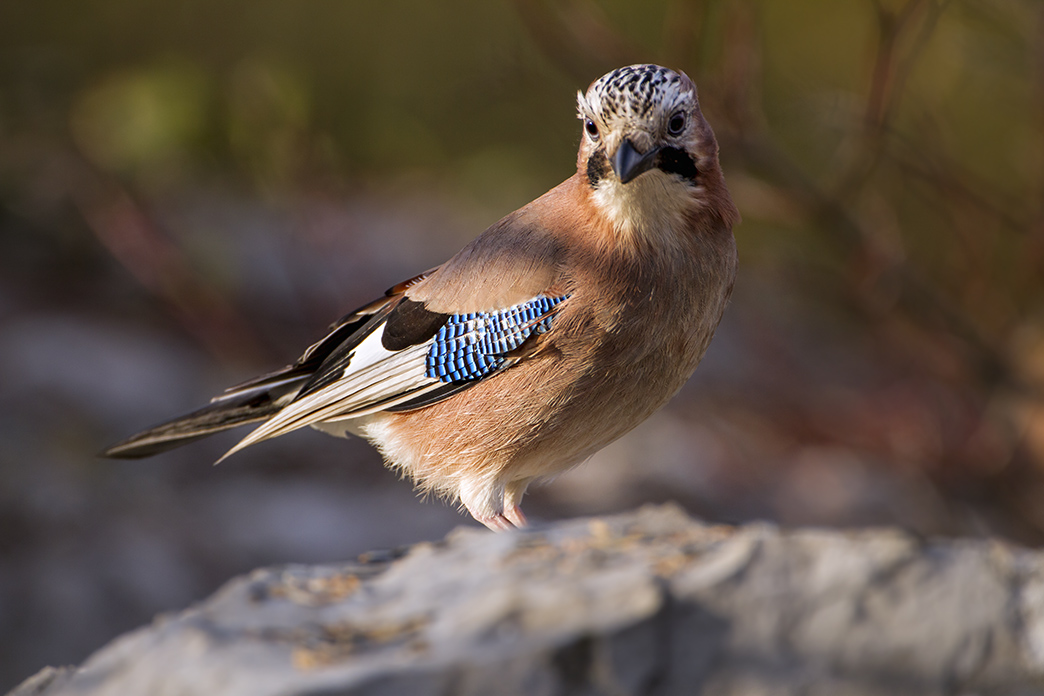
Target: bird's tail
[252, 402]
[262, 397]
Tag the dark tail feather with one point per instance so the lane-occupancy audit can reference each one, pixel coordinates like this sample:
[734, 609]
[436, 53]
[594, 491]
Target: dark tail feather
[262, 397]
[250, 403]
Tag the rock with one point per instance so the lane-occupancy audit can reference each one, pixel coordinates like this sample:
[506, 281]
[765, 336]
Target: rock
[650, 602]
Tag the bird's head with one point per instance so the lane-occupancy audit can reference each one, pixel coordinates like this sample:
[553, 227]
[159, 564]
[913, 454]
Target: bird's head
[647, 152]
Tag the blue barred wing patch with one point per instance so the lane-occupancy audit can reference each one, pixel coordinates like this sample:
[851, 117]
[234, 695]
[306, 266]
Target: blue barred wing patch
[471, 346]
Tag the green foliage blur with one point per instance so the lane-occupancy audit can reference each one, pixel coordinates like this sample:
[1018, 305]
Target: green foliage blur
[272, 93]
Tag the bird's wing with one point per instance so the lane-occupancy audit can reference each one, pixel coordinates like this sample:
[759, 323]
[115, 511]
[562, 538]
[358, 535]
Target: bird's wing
[444, 332]
[406, 357]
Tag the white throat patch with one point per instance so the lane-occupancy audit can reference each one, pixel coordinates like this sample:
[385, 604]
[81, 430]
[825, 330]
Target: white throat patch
[655, 203]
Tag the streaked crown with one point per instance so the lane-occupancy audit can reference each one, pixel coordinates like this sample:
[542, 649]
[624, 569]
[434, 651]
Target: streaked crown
[634, 92]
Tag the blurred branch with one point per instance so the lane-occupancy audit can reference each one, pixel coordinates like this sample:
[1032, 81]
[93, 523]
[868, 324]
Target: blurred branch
[887, 81]
[1036, 245]
[904, 67]
[576, 37]
[890, 72]
[917, 296]
[739, 88]
[952, 180]
[134, 240]
[683, 24]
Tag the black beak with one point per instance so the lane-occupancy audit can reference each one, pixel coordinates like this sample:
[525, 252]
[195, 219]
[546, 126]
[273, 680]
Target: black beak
[628, 163]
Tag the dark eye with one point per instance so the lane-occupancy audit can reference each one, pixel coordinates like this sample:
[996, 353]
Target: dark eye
[677, 124]
[591, 128]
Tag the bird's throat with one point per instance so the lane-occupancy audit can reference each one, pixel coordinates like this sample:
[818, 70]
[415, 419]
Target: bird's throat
[655, 206]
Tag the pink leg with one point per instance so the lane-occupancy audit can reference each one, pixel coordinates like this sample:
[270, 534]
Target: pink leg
[515, 516]
[513, 493]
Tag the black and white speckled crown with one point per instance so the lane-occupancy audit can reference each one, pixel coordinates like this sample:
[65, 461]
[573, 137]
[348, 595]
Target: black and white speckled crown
[634, 91]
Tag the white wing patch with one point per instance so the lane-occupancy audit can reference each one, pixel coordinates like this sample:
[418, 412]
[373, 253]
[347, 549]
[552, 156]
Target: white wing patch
[374, 379]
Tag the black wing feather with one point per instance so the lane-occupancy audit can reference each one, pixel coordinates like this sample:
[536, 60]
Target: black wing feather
[409, 324]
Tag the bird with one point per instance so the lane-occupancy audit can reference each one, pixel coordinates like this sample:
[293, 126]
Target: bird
[553, 333]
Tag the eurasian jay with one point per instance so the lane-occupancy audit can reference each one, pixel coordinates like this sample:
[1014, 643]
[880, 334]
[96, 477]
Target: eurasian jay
[553, 333]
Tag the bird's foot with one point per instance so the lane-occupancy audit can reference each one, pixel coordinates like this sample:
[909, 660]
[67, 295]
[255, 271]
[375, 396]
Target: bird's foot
[509, 519]
[500, 513]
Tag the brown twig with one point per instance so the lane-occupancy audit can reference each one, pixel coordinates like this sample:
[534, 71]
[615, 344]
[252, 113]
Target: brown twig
[576, 37]
[683, 23]
[130, 235]
[885, 88]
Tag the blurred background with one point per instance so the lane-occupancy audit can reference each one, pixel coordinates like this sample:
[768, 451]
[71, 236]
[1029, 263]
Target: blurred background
[191, 190]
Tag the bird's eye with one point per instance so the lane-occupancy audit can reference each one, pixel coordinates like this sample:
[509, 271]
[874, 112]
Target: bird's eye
[677, 124]
[591, 128]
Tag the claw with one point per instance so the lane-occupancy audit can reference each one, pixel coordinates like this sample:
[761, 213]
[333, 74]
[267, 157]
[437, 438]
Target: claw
[498, 523]
[500, 512]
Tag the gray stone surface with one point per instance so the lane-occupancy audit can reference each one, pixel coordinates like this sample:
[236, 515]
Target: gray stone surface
[650, 602]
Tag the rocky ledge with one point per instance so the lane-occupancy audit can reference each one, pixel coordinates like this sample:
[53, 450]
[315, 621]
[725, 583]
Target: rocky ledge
[650, 602]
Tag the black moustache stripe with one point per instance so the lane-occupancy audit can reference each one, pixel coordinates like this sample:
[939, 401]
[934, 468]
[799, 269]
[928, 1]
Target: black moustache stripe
[675, 161]
[597, 167]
